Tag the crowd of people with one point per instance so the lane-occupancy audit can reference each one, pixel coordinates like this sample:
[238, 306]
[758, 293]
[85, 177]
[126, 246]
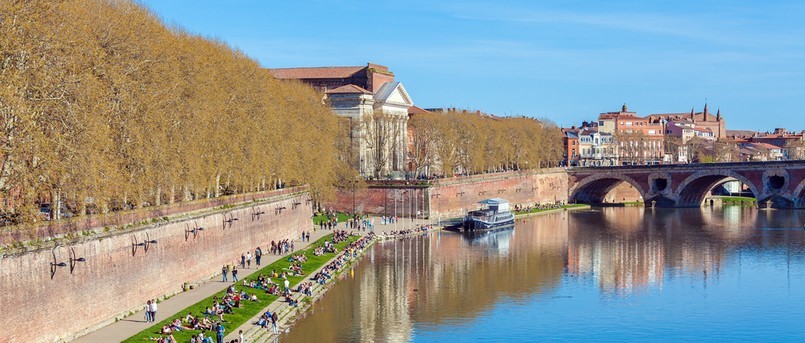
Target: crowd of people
[281, 247]
[407, 232]
[538, 207]
[210, 323]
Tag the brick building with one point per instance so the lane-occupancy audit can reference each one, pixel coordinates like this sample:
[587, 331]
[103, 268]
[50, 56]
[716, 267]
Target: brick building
[374, 104]
[640, 140]
[702, 120]
[370, 77]
[570, 142]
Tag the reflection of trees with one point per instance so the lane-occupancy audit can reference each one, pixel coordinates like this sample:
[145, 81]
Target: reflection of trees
[449, 279]
[470, 281]
[436, 280]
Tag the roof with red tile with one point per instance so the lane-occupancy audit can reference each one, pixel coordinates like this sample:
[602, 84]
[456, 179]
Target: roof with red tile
[761, 145]
[315, 72]
[741, 133]
[616, 115]
[417, 110]
[348, 89]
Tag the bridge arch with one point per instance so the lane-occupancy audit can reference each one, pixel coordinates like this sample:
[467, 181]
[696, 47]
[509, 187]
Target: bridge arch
[692, 191]
[798, 196]
[594, 189]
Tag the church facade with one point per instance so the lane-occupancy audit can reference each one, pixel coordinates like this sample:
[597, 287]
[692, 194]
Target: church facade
[376, 108]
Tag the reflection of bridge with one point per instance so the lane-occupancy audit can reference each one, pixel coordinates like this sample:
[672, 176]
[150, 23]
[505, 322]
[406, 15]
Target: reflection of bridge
[778, 184]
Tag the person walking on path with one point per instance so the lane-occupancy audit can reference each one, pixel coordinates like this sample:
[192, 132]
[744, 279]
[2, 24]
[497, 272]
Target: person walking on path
[235, 274]
[223, 273]
[258, 253]
[240, 337]
[220, 333]
[243, 261]
[148, 311]
[153, 310]
[248, 259]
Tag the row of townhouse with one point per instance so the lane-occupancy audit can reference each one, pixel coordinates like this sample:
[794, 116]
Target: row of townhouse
[624, 138]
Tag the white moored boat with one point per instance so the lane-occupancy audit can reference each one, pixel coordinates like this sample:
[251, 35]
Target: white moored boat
[494, 214]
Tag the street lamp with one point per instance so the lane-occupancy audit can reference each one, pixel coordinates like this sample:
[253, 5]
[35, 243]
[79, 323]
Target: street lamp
[54, 264]
[145, 244]
[73, 259]
[228, 221]
[195, 230]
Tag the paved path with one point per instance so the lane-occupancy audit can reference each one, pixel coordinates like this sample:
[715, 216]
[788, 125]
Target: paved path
[135, 323]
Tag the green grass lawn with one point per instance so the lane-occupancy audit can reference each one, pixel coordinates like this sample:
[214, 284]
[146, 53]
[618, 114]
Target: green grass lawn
[342, 217]
[248, 309]
[536, 210]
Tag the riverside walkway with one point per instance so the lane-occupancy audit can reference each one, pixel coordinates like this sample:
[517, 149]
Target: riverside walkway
[135, 323]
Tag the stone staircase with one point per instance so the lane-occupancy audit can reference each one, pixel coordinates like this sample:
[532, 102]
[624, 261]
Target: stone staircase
[288, 314]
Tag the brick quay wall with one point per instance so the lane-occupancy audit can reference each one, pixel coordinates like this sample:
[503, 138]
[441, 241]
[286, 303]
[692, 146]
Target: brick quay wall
[115, 279]
[452, 197]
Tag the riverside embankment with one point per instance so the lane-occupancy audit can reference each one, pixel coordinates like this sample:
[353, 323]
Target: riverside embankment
[288, 315]
[106, 274]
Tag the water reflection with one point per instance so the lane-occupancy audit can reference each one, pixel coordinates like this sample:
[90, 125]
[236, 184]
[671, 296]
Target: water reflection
[439, 286]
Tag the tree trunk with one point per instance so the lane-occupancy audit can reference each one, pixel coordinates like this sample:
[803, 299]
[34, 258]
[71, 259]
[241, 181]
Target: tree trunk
[217, 185]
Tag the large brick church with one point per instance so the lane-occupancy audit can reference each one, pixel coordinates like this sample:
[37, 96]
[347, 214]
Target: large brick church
[376, 106]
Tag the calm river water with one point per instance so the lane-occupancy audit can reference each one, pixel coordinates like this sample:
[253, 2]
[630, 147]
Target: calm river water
[607, 274]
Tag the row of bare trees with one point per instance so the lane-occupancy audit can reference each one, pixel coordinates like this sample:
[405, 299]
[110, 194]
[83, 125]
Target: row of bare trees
[451, 142]
[102, 105]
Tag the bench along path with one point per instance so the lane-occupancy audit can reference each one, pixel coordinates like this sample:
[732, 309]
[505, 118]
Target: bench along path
[135, 323]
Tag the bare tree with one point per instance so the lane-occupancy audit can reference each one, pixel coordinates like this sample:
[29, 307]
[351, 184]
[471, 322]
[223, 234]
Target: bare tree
[382, 133]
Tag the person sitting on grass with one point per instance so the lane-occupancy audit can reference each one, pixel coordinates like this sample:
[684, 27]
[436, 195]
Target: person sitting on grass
[205, 324]
[176, 325]
[273, 289]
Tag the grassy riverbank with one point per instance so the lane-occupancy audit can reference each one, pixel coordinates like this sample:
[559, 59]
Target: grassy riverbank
[342, 217]
[248, 309]
[545, 210]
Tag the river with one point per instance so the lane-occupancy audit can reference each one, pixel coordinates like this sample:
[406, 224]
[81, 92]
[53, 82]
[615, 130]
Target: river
[604, 274]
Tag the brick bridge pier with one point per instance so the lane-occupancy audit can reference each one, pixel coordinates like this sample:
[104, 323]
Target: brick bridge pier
[776, 184]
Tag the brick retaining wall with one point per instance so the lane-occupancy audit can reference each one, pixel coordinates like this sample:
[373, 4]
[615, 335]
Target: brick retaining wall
[112, 281]
[452, 197]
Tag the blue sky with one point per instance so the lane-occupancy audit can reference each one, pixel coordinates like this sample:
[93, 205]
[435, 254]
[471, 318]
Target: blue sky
[564, 60]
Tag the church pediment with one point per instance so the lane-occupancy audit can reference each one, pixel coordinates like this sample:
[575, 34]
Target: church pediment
[393, 93]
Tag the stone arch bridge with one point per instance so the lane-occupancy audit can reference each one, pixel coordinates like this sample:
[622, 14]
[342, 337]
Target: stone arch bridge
[777, 184]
